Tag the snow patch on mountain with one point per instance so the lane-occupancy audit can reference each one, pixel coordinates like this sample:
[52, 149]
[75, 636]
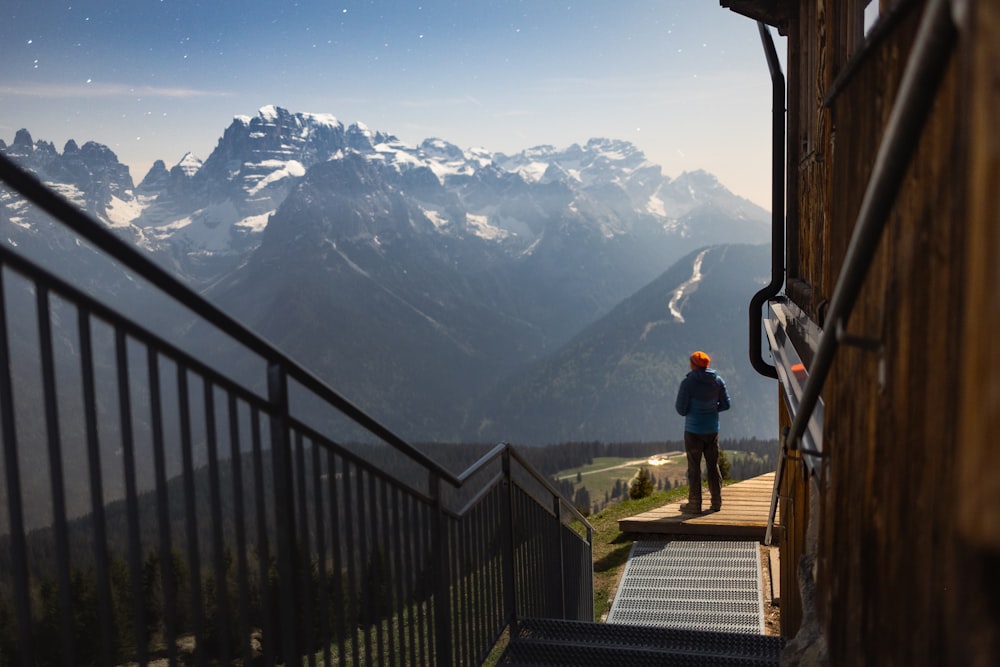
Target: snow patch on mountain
[70, 193]
[189, 164]
[687, 288]
[656, 206]
[347, 259]
[279, 170]
[16, 208]
[436, 218]
[482, 227]
[268, 112]
[532, 171]
[254, 223]
[208, 231]
[121, 213]
[323, 119]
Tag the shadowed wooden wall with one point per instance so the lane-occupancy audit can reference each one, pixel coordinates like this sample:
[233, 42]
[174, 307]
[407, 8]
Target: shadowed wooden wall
[909, 530]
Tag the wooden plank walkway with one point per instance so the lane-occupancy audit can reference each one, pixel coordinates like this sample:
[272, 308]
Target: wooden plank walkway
[745, 506]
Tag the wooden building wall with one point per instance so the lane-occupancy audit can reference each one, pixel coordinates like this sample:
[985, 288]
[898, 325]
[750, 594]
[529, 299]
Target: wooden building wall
[899, 581]
[977, 483]
[794, 509]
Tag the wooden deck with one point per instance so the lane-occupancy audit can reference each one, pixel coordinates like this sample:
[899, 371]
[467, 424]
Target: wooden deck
[745, 507]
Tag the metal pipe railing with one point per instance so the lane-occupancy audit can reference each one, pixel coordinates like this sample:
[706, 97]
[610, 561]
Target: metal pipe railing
[35, 191]
[344, 552]
[924, 70]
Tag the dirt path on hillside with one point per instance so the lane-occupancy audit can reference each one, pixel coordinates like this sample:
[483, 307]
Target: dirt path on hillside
[627, 464]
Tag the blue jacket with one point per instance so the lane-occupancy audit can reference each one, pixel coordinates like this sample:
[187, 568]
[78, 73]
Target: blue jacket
[702, 396]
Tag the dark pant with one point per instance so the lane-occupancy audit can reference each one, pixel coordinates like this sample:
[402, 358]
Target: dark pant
[696, 444]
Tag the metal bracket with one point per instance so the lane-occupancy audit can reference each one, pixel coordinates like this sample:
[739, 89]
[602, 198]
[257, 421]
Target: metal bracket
[867, 344]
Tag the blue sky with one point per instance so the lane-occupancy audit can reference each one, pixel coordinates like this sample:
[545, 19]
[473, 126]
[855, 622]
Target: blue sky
[684, 80]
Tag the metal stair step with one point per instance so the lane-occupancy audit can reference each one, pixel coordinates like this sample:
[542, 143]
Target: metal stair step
[564, 643]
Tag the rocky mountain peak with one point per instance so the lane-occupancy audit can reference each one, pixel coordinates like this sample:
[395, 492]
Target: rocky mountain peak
[156, 179]
[22, 146]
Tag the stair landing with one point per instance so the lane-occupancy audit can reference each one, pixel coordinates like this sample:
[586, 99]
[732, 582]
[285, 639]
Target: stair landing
[712, 585]
[745, 506]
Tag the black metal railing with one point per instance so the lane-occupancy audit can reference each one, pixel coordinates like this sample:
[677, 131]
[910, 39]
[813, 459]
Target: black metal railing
[221, 505]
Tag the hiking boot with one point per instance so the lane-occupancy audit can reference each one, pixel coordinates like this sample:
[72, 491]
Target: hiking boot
[690, 508]
[715, 507]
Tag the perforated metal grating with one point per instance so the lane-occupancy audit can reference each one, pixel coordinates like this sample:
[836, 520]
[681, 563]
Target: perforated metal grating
[557, 643]
[712, 586]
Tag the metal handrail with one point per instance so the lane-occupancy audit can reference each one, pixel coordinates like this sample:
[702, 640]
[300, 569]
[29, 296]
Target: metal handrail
[936, 37]
[35, 191]
[438, 588]
[497, 452]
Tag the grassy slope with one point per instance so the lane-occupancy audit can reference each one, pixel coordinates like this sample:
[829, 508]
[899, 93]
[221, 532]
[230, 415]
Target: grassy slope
[600, 475]
[611, 546]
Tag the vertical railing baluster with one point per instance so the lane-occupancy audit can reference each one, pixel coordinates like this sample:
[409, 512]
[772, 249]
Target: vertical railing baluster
[491, 529]
[364, 568]
[508, 550]
[388, 544]
[15, 503]
[337, 540]
[489, 555]
[527, 591]
[307, 639]
[221, 610]
[457, 587]
[470, 588]
[403, 569]
[269, 624]
[163, 506]
[191, 514]
[545, 545]
[413, 557]
[464, 524]
[242, 570]
[499, 553]
[536, 538]
[96, 483]
[284, 510]
[480, 559]
[375, 576]
[442, 577]
[135, 556]
[351, 549]
[560, 556]
[425, 584]
[322, 590]
[54, 440]
[588, 583]
[403, 573]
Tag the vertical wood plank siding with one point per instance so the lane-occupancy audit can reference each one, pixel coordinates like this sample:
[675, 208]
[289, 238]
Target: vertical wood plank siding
[976, 614]
[794, 507]
[900, 581]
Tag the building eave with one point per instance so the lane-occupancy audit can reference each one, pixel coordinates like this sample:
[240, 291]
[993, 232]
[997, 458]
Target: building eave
[775, 13]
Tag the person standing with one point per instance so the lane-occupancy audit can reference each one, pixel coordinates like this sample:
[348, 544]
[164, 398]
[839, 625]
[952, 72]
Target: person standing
[700, 399]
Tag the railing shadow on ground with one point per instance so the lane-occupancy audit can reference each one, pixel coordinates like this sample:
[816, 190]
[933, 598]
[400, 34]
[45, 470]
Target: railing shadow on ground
[162, 500]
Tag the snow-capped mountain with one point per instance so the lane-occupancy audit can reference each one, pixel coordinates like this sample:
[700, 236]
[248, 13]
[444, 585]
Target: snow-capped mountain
[203, 218]
[412, 278]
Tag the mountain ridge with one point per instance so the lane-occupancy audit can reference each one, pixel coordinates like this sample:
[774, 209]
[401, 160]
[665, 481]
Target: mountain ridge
[413, 279]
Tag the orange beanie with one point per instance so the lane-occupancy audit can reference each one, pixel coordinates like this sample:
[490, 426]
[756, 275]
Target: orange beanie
[701, 359]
